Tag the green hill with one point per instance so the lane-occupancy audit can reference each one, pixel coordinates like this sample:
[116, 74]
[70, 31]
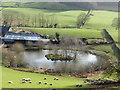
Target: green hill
[64, 5]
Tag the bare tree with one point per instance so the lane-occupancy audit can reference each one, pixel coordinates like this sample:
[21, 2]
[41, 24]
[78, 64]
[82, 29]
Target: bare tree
[83, 18]
[17, 47]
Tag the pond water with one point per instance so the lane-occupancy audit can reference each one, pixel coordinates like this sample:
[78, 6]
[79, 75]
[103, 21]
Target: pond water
[83, 61]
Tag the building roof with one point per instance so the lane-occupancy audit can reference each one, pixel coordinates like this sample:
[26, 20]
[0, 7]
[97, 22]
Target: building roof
[4, 30]
[23, 36]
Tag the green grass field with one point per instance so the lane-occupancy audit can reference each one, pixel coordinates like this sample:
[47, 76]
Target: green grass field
[114, 34]
[16, 76]
[79, 33]
[100, 20]
[104, 48]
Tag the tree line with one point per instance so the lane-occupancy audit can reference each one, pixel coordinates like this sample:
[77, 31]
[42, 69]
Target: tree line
[11, 18]
[42, 20]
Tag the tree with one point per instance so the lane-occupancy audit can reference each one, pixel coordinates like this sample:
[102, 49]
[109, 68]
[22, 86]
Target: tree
[115, 23]
[13, 57]
[80, 20]
[17, 48]
[36, 20]
[17, 4]
[7, 19]
[58, 37]
[83, 18]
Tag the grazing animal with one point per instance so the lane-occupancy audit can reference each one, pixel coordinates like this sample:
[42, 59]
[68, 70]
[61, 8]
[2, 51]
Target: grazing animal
[51, 84]
[45, 78]
[10, 82]
[26, 79]
[23, 81]
[39, 82]
[30, 81]
[54, 78]
[79, 85]
[57, 79]
[45, 83]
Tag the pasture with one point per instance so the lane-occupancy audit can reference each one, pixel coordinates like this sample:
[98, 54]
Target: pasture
[16, 77]
[104, 48]
[79, 33]
[99, 20]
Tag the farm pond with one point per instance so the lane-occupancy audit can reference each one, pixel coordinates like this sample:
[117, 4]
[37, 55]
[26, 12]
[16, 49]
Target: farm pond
[83, 61]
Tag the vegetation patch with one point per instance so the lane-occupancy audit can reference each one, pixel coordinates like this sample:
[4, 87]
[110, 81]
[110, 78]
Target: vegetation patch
[100, 81]
[55, 57]
[96, 41]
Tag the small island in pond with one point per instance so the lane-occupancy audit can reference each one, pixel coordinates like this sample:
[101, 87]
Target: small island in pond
[55, 57]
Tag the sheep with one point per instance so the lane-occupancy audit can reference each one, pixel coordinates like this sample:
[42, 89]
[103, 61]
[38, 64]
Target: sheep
[51, 84]
[10, 82]
[57, 79]
[45, 83]
[54, 78]
[39, 82]
[45, 78]
[23, 81]
[79, 85]
[30, 81]
[27, 80]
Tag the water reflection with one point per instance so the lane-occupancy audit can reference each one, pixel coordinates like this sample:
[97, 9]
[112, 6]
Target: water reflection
[83, 61]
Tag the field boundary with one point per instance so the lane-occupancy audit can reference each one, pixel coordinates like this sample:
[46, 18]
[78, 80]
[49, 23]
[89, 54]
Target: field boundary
[108, 36]
[115, 47]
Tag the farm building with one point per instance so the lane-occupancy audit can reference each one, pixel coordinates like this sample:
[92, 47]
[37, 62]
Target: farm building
[24, 38]
[4, 30]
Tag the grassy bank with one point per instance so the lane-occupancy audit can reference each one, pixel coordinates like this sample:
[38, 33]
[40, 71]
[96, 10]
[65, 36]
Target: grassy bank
[16, 76]
[107, 50]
